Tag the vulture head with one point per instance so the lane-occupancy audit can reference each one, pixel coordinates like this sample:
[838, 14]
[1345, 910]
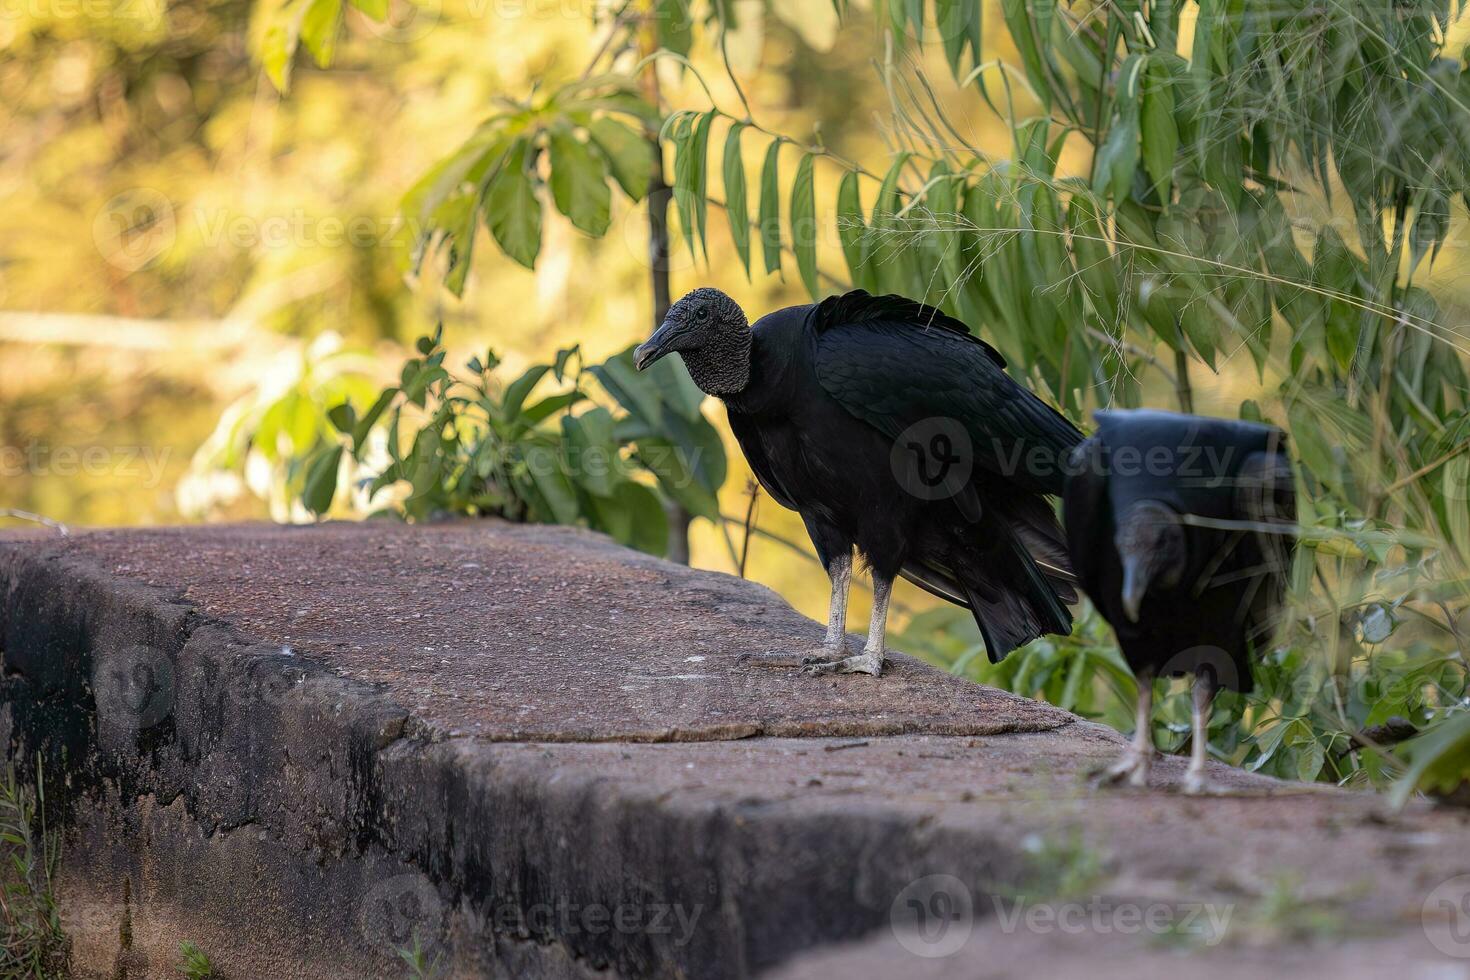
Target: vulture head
[1151, 547]
[710, 332]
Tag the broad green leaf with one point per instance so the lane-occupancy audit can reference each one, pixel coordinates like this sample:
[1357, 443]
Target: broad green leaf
[321, 480]
[579, 182]
[803, 219]
[547, 472]
[852, 232]
[512, 210]
[629, 155]
[737, 211]
[592, 452]
[770, 208]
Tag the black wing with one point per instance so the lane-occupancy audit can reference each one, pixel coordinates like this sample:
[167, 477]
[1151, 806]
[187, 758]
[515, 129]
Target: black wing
[892, 363]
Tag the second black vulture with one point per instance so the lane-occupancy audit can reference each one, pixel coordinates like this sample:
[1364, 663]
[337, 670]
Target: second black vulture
[1181, 531]
[894, 431]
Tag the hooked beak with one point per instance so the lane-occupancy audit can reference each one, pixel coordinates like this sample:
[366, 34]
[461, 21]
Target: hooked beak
[1135, 583]
[655, 347]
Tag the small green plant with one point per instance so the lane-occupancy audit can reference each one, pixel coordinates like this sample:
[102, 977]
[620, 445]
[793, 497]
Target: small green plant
[420, 966]
[32, 944]
[194, 963]
[608, 449]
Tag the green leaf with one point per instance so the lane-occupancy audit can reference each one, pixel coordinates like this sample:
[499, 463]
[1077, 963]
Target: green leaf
[343, 416]
[852, 232]
[1457, 507]
[699, 149]
[770, 208]
[321, 480]
[1018, 17]
[803, 219]
[679, 473]
[579, 183]
[517, 391]
[369, 419]
[512, 210]
[634, 516]
[278, 44]
[1160, 133]
[628, 154]
[592, 452]
[675, 27]
[375, 9]
[320, 28]
[737, 211]
[549, 476]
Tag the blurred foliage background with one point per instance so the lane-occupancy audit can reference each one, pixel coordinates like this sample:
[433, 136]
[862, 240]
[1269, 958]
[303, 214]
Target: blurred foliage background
[200, 272]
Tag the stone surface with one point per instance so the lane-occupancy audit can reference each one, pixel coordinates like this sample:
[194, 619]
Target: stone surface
[301, 748]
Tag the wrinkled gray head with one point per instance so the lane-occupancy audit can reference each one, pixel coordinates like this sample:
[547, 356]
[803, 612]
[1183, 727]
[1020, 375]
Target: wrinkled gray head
[710, 332]
[1150, 543]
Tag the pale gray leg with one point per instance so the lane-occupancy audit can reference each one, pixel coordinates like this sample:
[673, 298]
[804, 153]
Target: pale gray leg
[1195, 783]
[1138, 757]
[834, 644]
[870, 661]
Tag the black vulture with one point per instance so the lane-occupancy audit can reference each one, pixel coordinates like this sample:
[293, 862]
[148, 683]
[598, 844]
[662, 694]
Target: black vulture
[1181, 530]
[893, 431]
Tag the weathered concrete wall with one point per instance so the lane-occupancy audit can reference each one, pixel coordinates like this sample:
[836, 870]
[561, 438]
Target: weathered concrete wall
[547, 756]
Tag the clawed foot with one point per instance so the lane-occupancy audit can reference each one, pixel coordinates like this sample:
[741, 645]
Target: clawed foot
[1197, 784]
[864, 663]
[1132, 768]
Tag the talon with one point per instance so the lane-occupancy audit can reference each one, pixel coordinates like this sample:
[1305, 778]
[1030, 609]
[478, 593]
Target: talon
[1133, 766]
[863, 663]
[1195, 784]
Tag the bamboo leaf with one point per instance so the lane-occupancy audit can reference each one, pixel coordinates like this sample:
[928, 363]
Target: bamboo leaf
[770, 208]
[852, 232]
[803, 220]
[1160, 133]
[737, 210]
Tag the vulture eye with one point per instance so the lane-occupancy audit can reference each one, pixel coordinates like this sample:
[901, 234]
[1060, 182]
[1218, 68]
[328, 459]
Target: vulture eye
[702, 313]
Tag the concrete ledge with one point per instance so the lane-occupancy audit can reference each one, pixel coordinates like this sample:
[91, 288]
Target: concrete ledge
[547, 756]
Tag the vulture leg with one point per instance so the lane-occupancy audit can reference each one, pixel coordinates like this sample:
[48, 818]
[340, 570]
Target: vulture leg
[870, 661]
[1195, 783]
[1136, 759]
[834, 644]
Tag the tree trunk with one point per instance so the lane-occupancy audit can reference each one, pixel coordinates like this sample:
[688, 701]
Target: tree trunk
[658, 265]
